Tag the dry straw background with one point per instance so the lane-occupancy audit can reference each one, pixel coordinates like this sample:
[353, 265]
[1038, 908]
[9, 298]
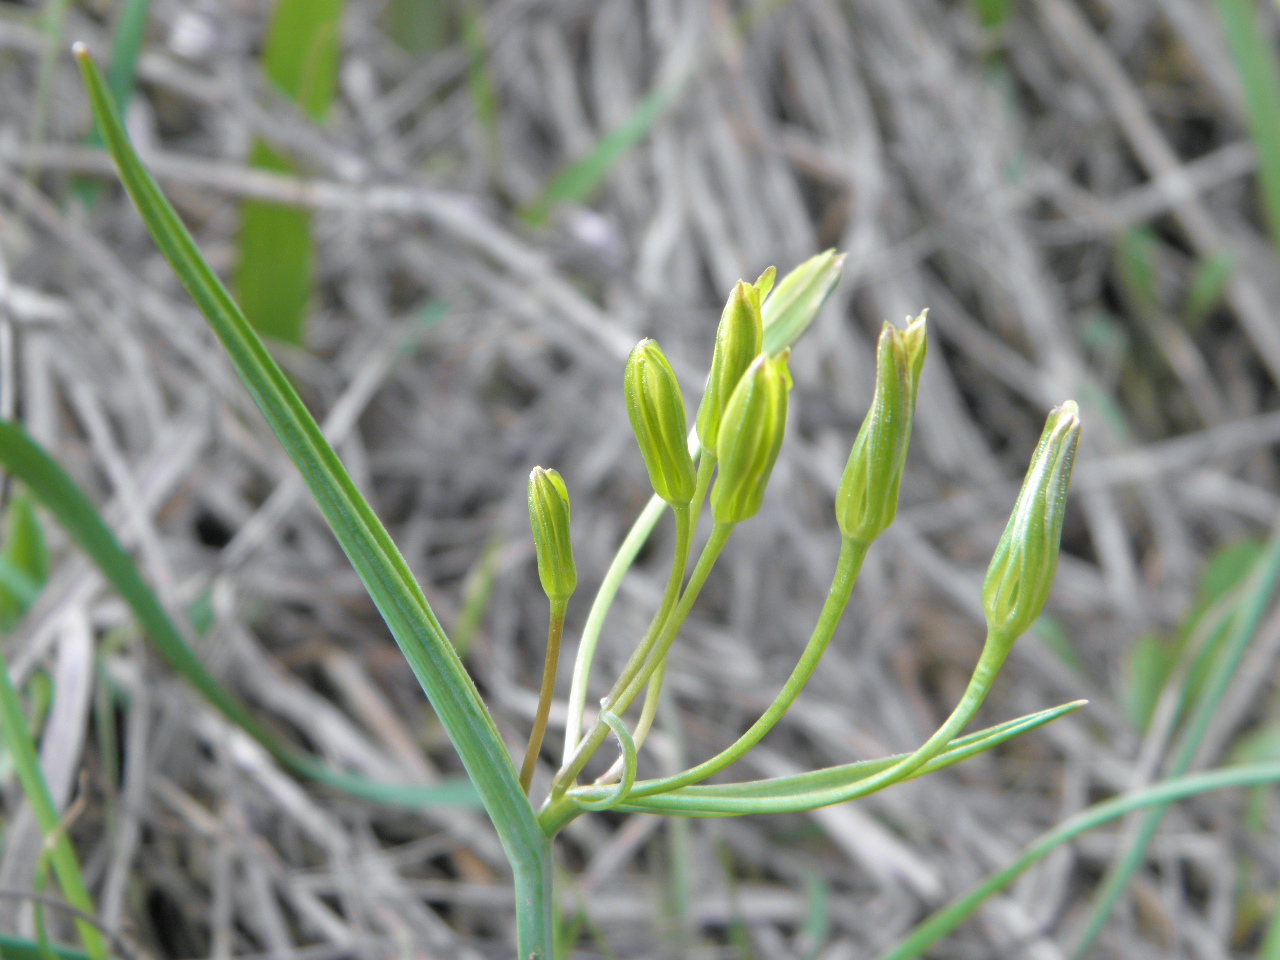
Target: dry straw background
[990, 177]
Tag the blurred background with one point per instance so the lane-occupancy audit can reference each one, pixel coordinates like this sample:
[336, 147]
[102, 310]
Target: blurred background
[454, 219]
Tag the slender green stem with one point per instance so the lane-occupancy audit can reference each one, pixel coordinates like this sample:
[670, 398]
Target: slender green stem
[555, 630]
[684, 543]
[622, 561]
[643, 725]
[555, 814]
[618, 567]
[1244, 625]
[624, 693]
[852, 553]
[535, 914]
[706, 470]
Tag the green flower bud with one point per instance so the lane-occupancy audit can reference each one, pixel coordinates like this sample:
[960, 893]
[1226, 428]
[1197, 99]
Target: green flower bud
[797, 298]
[549, 517]
[738, 340]
[764, 283]
[750, 437]
[658, 419]
[1026, 558]
[867, 499]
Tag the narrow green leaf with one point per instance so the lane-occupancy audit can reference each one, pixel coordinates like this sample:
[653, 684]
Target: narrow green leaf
[944, 921]
[1256, 62]
[122, 71]
[792, 793]
[1205, 292]
[480, 80]
[24, 561]
[26, 762]
[72, 508]
[579, 180]
[273, 278]
[1238, 632]
[363, 538]
[20, 948]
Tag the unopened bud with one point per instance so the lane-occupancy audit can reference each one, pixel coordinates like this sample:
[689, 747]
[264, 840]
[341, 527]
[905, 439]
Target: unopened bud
[657, 415]
[549, 517]
[867, 499]
[797, 298]
[750, 437]
[764, 283]
[738, 340]
[1026, 558]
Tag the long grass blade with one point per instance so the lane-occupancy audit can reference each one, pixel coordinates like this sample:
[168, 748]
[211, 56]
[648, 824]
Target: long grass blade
[944, 921]
[273, 279]
[1256, 62]
[1243, 626]
[361, 535]
[73, 509]
[26, 763]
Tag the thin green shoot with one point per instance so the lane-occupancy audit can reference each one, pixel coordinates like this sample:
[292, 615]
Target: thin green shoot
[62, 858]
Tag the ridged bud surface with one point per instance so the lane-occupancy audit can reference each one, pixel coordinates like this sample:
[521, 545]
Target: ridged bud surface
[738, 342]
[867, 499]
[549, 518]
[750, 436]
[656, 408]
[1021, 572]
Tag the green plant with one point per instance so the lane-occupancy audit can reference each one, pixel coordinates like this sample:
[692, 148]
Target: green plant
[746, 414]
[274, 275]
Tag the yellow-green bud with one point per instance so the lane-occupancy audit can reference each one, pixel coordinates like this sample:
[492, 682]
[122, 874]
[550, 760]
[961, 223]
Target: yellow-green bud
[750, 437]
[658, 419]
[764, 283]
[797, 298]
[867, 499]
[549, 517]
[1026, 558]
[738, 341]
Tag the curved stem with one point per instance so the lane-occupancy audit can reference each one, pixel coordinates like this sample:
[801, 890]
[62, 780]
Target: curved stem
[554, 815]
[624, 693]
[684, 543]
[621, 563]
[643, 725]
[555, 630]
[618, 567]
[852, 553]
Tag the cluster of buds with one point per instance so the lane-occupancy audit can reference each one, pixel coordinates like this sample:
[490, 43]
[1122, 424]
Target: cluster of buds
[740, 424]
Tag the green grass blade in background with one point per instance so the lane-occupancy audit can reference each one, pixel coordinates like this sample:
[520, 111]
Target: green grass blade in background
[26, 762]
[24, 560]
[419, 26]
[944, 921]
[1256, 62]
[580, 179]
[273, 278]
[480, 82]
[73, 509]
[122, 72]
[1240, 631]
[361, 535]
